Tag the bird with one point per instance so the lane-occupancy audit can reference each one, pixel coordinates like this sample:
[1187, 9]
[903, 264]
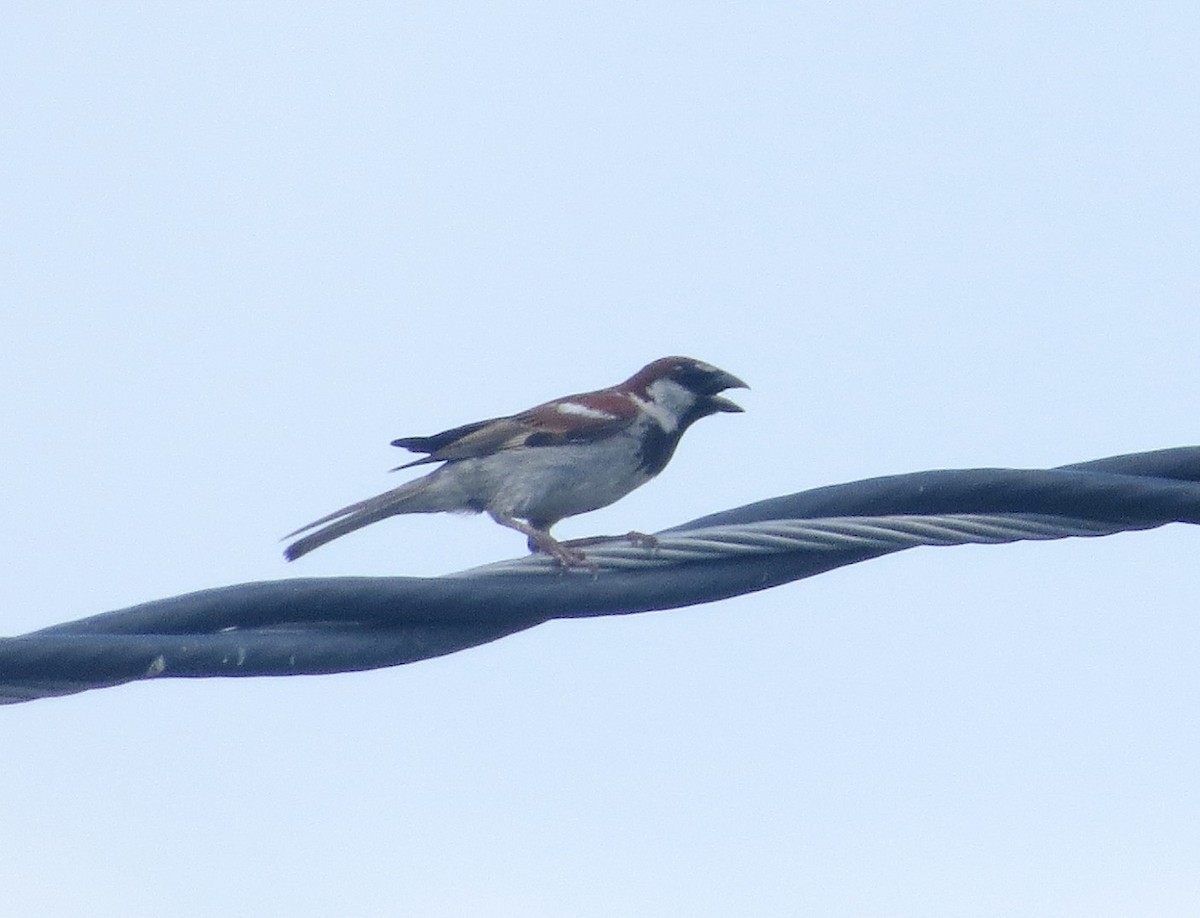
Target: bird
[561, 458]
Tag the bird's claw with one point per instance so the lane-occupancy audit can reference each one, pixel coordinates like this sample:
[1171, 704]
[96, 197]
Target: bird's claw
[562, 552]
[641, 539]
[573, 557]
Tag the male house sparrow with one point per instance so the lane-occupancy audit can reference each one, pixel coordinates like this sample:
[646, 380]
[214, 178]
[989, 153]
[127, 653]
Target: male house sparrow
[558, 459]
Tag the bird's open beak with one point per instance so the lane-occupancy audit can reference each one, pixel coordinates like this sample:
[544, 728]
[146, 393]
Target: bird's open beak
[722, 382]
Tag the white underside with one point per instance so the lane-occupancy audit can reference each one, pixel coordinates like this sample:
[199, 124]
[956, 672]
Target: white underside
[545, 483]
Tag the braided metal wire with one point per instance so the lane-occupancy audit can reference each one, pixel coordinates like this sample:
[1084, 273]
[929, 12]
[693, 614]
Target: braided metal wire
[885, 533]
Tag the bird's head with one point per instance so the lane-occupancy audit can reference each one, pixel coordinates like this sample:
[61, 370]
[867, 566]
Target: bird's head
[678, 391]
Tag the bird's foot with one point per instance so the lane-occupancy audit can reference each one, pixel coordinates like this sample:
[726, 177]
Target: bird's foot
[642, 539]
[562, 552]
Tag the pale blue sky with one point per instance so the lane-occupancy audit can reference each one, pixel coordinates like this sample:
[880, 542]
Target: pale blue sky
[248, 244]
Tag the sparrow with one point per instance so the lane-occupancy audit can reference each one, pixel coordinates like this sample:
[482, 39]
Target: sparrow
[527, 471]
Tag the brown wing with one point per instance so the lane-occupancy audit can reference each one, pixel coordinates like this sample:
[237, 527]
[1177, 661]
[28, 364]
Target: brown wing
[575, 419]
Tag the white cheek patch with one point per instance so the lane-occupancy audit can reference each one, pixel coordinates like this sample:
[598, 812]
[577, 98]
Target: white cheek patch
[583, 411]
[662, 416]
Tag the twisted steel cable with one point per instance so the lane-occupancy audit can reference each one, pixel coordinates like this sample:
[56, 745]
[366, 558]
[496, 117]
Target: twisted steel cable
[892, 533]
[308, 626]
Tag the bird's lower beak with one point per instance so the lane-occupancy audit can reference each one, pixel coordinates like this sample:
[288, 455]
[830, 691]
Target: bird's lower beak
[720, 403]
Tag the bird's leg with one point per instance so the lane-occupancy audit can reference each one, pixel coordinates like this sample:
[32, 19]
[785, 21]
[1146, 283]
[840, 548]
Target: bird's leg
[540, 540]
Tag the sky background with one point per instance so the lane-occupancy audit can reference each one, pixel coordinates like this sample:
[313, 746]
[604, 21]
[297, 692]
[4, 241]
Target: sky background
[247, 244]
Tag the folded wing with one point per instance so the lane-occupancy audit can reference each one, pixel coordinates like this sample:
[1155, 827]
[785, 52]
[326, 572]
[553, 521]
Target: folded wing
[577, 419]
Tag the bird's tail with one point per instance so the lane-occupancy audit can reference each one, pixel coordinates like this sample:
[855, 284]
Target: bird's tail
[419, 496]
